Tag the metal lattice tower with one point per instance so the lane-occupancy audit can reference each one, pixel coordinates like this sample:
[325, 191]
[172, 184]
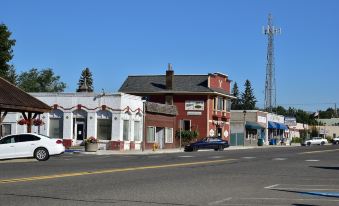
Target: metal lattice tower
[270, 85]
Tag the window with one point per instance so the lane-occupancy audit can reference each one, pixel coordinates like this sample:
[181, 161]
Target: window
[55, 128]
[104, 129]
[5, 130]
[168, 135]
[228, 105]
[26, 138]
[7, 140]
[137, 131]
[150, 134]
[126, 130]
[220, 104]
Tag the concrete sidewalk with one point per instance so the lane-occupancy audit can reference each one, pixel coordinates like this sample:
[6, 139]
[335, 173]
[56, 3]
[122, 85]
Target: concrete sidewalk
[162, 151]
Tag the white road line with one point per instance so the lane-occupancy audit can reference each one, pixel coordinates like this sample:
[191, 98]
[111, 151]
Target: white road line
[187, 156]
[272, 186]
[216, 157]
[312, 160]
[248, 157]
[279, 159]
[220, 201]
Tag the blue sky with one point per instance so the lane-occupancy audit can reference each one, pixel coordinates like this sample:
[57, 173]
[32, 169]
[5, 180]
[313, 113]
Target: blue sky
[134, 37]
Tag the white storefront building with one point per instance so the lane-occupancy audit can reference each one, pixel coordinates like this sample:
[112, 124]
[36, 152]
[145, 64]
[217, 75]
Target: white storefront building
[116, 120]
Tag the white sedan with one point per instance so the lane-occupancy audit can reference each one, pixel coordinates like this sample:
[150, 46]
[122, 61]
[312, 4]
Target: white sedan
[315, 141]
[30, 145]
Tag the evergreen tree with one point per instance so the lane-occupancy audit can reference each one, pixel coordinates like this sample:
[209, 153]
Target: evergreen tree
[85, 83]
[7, 70]
[248, 99]
[235, 102]
[40, 81]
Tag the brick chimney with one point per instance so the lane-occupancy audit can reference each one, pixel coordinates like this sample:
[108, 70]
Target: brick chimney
[169, 77]
[169, 84]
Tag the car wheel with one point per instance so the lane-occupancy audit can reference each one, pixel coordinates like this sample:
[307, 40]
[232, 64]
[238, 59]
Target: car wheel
[308, 143]
[322, 143]
[41, 154]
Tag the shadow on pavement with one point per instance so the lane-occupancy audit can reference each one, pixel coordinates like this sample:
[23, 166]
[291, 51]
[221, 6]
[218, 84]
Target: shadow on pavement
[327, 168]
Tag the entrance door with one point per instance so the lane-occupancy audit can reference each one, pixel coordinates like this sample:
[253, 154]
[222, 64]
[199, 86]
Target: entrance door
[219, 132]
[160, 137]
[79, 130]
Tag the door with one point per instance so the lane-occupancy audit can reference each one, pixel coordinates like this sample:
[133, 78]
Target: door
[79, 130]
[160, 137]
[25, 144]
[7, 147]
[219, 132]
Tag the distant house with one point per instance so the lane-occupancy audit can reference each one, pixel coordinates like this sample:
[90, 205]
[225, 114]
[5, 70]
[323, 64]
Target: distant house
[202, 101]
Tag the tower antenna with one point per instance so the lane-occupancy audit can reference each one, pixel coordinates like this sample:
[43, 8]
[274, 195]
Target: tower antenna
[270, 85]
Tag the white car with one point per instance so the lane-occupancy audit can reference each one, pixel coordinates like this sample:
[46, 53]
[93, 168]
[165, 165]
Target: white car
[336, 140]
[30, 145]
[315, 141]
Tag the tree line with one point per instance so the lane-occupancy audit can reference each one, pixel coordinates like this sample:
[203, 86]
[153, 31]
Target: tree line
[34, 80]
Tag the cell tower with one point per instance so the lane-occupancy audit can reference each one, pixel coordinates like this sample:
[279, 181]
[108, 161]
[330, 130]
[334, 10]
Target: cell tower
[270, 86]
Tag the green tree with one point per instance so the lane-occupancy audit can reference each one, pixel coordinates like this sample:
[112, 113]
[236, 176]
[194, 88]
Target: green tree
[86, 76]
[7, 70]
[235, 102]
[40, 81]
[248, 99]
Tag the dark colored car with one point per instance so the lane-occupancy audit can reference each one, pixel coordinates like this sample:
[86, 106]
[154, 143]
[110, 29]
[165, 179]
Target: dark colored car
[207, 143]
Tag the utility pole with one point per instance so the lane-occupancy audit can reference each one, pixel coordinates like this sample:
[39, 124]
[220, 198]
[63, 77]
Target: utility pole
[270, 85]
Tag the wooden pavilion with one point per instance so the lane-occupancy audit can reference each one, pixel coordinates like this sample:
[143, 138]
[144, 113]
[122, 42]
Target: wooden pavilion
[13, 99]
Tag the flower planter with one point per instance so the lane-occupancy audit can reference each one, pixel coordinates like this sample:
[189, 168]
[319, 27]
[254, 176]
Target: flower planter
[91, 147]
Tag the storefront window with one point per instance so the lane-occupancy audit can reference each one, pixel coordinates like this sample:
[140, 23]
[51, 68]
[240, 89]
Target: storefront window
[5, 129]
[126, 130]
[150, 134]
[55, 128]
[137, 131]
[104, 129]
[168, 135]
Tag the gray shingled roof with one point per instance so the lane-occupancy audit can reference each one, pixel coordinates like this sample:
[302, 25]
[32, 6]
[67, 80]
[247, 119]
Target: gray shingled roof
[152, 84]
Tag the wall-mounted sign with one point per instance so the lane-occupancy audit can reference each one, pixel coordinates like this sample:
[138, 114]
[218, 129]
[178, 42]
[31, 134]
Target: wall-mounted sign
[194, 105]
[290, 121]
[225, 133]
[212, 132]
[194, 113]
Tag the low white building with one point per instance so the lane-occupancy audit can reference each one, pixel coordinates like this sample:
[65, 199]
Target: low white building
[114, 119]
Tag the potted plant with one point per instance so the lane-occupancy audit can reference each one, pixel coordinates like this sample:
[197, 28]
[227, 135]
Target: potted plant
[91, 144]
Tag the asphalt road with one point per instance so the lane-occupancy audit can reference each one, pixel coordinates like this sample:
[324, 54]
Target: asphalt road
[263, 176]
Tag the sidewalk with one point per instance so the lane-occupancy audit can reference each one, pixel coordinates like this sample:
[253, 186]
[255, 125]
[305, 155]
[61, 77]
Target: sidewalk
[81, 150]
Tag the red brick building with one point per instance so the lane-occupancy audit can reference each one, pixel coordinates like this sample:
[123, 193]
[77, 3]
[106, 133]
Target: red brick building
[160, 123]
[202, 101]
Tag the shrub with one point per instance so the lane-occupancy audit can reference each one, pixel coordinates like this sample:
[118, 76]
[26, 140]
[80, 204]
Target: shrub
[187, 136]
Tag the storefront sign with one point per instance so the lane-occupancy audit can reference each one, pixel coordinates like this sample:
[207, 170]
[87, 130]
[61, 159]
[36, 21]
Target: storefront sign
[226, 133]
[262, 119]
[194, 105]
[212, 133]
[290, 121]
[194, 113]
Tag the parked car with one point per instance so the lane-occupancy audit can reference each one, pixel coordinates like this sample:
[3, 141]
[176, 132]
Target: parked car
[315, 141]
[336, 140]
[207, 143]
[30, 145]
